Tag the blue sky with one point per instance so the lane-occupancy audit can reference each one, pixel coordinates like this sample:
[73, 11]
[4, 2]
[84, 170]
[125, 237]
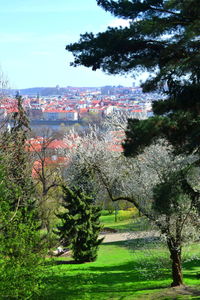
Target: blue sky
[33, 36]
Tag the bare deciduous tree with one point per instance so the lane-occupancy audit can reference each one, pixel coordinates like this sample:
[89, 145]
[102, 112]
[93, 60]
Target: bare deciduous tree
[47, 176]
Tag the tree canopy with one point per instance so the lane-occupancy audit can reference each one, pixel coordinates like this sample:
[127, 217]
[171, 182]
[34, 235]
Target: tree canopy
[162, 38]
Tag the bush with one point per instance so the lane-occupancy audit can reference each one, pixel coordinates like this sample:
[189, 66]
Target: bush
[20, 248]
[21, 263]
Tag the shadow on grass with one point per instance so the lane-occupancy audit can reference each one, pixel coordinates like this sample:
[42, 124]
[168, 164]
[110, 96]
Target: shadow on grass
[193, 291]
[137, 243]
[65, 262]
[72, 281]
[103, 282]
[71, 286]
[129, 269]
[191, 264]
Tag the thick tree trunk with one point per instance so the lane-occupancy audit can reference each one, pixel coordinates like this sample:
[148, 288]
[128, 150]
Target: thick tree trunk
[176, 268]
[175, 255]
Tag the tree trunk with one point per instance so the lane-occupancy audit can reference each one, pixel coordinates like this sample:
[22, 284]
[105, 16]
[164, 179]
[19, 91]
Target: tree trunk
[116, 213]
[175, 255]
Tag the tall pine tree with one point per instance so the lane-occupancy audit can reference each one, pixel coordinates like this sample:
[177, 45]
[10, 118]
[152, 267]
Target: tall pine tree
[162, 38]
[80, 226]
[20, 244]
[17, 159]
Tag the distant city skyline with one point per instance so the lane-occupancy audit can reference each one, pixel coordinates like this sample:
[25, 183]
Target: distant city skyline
[33, 37]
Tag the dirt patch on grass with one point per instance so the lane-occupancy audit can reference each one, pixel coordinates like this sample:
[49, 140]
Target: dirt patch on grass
[182, 292]
[125, 236]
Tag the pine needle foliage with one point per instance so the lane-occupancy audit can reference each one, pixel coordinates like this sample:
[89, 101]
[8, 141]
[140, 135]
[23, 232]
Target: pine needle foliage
[80, 225]
[21, 252]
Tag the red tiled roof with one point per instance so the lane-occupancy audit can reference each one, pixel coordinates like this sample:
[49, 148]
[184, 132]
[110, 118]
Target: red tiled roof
[58, 111]
[83, 109]
[136, 110]
[116, 148]
[35, 145]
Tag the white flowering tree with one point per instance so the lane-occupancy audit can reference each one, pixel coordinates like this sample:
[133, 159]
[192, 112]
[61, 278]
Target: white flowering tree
[153, 182]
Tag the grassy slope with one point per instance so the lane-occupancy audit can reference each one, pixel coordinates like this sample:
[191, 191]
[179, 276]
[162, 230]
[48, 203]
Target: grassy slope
[126, 220]
[114, 275]
[118, 272]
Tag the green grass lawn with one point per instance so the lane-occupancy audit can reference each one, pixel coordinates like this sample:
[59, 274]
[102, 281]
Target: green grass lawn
[118, 273]
[126, 220]
[127, 270]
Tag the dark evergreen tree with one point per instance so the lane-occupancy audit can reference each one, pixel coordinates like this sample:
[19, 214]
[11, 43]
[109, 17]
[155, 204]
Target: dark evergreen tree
[67, 231]
[80, 225]
[163, 39]
[20, 243]
[18, 171]
[16, 158]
